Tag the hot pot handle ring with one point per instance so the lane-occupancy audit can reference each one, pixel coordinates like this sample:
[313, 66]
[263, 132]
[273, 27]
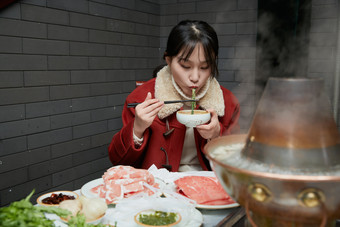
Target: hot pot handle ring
[253, 224]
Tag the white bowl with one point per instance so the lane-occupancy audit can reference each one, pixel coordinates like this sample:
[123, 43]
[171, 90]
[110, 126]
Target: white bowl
[192, 120]
[68, 193]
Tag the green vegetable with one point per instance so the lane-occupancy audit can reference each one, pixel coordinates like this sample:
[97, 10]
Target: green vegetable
[193, 97]
[24, 213]
[158, 218]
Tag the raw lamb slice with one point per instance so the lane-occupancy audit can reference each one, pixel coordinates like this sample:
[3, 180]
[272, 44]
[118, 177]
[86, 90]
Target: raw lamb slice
[97, 189]
[122, 182]
[204, 190]
[113, 192]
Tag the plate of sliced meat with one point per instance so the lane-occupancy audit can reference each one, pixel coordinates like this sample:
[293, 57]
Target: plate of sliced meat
[206, 191]
[119, 182]
[200, 186]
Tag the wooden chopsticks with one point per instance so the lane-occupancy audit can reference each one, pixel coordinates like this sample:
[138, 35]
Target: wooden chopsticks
[131, 105]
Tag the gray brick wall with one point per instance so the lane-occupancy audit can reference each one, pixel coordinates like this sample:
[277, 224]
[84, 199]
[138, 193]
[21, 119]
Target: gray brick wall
[66, 68]
[323, 45]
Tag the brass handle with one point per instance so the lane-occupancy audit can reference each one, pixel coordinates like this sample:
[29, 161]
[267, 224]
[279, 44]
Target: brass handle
[311, 197]
[253, 224]
[259, 192]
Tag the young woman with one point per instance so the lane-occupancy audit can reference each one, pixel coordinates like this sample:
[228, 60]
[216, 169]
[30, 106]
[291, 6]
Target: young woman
[151, 133]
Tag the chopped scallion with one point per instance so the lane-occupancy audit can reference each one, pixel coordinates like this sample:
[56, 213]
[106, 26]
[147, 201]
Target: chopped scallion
[193, 97]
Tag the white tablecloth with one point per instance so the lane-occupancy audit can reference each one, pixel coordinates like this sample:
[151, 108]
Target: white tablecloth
[210, 217]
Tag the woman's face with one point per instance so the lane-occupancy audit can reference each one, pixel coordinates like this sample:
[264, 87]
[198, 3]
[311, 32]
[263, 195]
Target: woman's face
[191, 73]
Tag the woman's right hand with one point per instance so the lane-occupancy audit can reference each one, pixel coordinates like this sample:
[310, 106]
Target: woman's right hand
[145, 113]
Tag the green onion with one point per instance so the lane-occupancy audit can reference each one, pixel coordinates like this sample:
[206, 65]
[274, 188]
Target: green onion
[193, 97]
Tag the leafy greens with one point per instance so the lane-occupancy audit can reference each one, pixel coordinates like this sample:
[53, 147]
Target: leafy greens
[24, 214]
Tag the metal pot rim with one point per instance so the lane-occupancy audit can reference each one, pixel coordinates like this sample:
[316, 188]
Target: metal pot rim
[239, 138]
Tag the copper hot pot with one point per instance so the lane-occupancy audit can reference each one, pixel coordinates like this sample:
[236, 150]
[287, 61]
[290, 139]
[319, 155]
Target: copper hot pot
[286, 170]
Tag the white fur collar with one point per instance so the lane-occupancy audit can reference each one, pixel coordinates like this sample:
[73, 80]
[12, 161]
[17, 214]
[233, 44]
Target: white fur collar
[165, 90]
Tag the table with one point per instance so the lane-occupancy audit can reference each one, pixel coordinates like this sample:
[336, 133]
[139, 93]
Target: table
[214, 217]
[211, 217]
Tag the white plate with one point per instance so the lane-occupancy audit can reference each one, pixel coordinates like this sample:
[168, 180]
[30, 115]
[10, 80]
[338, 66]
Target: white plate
[126, 209]
[86, 188]
[217, 207]
[176, 175]
[69, 193]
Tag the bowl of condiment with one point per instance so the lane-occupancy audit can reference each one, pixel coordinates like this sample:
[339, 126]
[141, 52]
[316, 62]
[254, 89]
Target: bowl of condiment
[192, 118]
[55, 198]
[153, 218]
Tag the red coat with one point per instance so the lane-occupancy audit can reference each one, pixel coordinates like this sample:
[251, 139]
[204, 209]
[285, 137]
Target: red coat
[122, 150]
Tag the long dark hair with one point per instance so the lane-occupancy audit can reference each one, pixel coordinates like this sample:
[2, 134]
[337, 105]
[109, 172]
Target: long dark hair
[187, 34]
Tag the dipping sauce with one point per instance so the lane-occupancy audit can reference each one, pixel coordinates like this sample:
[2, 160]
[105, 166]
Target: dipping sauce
[56, 198]
[157, 218]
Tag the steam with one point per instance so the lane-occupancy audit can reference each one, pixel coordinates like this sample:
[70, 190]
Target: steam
[281, 51]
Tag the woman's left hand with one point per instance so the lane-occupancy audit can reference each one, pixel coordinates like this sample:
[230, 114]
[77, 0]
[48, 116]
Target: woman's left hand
[212, 129]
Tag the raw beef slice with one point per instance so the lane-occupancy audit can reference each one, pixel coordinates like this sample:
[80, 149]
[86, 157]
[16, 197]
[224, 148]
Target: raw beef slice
[204, 190]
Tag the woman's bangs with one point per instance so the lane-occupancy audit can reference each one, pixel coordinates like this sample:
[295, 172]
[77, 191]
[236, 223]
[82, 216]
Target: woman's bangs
[187, 50]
